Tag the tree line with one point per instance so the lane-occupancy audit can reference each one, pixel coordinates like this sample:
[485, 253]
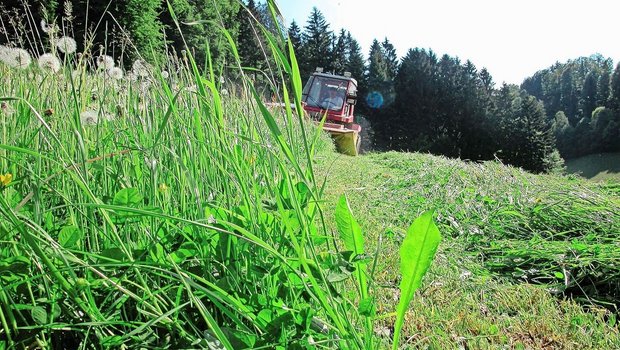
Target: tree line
[582, 103]
[441, 105]
[419, 102]
[124, 29]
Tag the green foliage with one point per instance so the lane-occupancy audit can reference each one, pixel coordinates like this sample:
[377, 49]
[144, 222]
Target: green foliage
[248, 40]
[355, 63]
[576, 88]
[317, 44]
[378, 72]
[141, 19]
[416, 255]
[524, 136]
[339, 53]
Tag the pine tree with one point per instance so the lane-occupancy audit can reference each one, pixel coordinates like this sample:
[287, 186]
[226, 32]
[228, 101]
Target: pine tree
[523, 133]
[339, 52]
[248, 45]
[294, 35]
[487, 81]
[588, 96]
[602, 88]
[614, 94]
[412, 125]
[391, 58]
[317, 40]
[568, 98]
[355, 63]
[378, 71]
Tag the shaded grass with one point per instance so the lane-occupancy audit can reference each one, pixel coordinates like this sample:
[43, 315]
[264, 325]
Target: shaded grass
[596, 167]
[497, 281]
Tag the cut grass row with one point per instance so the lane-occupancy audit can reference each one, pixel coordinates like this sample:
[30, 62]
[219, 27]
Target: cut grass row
[521, 245]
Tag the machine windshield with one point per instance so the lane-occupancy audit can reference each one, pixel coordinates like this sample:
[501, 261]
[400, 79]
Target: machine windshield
[327, 93]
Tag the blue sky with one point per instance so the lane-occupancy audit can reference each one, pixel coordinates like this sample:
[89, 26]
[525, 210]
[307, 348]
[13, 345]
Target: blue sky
[512, 39]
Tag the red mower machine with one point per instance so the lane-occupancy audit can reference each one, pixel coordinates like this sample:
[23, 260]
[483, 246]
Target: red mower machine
[333, 97]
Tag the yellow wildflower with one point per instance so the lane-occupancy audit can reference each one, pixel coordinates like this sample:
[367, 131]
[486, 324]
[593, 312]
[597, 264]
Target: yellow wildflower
[5, 179]
[163, 188]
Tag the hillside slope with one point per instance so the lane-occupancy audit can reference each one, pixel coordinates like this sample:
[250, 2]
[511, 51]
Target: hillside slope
[516, 246]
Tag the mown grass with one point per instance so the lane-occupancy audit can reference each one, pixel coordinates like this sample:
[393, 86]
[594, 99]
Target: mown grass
[176, 211]
[530, 262]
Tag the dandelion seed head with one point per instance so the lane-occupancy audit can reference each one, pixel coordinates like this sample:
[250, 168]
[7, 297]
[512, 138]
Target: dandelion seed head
[144, 87]
[45, 27]
[140, 68]
[89, 117]
[105, 62]
[4, 51]
[165, 74]
[15, 57]
[49, 62]
[76, 74]
[66, 45]
[115, 73]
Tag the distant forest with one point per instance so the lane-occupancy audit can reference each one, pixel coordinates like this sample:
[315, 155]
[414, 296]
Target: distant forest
[418, 102]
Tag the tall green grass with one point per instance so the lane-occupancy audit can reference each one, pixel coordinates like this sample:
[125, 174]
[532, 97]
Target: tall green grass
[169, 211]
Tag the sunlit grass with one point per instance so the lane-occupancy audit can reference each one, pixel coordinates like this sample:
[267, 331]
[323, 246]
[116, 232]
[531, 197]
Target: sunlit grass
[526, 261]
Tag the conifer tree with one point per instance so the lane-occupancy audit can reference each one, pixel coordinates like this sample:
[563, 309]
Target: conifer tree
[294, 35]
[391, 59]
[248, 38]
[614, 94]
[588, 96]
[355, 61]
[340, 53]
[602, 88]
[141, 19]
[317, 38]
[523, 133]
[378, 71]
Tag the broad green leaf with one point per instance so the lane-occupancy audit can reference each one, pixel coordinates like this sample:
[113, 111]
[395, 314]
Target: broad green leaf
[350, 231]
[69, 236]
[416, 255]
[128, 197]
[368, 307]
[39, 315]
[18, 265]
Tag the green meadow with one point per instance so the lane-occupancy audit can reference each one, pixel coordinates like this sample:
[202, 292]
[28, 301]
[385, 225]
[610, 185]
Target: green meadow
[164, 206]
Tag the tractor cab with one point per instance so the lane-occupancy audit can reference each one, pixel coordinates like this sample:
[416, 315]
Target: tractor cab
[333, 97]
[329, 94]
